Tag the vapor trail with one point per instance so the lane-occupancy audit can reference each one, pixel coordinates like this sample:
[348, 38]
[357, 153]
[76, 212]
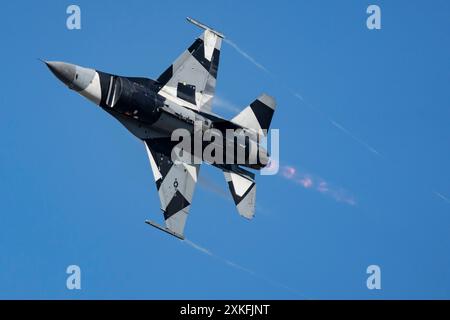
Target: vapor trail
[239, 267]
[300, 97]
[355, 138]
[225, 104]
[197, 247]
[246, 55]
[440, 195]
[338, 126]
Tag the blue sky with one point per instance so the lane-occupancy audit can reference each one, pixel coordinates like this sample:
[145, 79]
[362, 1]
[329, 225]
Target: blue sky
[76, 187]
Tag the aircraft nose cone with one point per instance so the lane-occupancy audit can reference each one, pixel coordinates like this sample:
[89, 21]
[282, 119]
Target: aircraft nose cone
[63, 71]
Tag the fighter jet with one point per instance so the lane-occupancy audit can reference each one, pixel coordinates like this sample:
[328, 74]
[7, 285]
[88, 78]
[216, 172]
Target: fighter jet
[180, 98]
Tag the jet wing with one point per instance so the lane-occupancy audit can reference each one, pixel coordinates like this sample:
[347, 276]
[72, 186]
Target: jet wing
[191, 80]
[175, 182]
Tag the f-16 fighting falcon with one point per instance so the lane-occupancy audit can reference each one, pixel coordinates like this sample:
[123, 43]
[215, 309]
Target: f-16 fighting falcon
[181, 98]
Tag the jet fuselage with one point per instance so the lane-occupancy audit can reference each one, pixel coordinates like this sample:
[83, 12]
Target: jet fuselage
[135, 102]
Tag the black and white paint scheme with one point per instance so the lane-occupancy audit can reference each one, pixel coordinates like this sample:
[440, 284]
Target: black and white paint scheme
[180, 97]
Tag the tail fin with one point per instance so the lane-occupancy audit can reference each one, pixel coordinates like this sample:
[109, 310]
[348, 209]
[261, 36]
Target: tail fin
[258, 114]
[243, 189]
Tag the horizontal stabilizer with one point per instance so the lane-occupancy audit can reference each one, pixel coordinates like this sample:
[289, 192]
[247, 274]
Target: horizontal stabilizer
[258, 115]
[243, 189]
